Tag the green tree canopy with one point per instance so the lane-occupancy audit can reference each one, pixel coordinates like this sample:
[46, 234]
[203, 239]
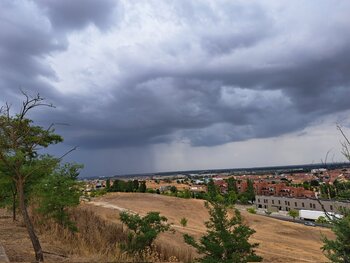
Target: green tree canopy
[226, 240]
[21, 144]
[144, 230]
[59, 191]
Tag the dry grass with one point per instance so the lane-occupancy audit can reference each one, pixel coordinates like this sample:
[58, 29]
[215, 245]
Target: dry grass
[279, 241]
[98, 239]
[14, 238]
[152, 184]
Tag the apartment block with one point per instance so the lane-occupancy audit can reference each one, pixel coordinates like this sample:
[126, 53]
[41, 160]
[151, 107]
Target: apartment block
[282, 203]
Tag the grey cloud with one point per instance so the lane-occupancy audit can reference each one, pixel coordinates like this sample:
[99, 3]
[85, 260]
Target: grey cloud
[228, 74]
[68, 15]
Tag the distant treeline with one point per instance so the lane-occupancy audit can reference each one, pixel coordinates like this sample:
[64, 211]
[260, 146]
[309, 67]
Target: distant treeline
[126, 186]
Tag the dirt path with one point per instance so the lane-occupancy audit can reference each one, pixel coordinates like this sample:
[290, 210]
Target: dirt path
[279, 241]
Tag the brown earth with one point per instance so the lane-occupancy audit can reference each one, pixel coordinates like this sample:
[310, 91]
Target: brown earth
[14, 238]
[280, 241]
[153, 185]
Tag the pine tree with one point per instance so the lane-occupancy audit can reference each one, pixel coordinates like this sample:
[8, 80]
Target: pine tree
[338, 249]
[226, 240]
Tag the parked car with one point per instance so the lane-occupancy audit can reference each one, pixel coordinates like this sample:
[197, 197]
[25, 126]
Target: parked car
[308, 223]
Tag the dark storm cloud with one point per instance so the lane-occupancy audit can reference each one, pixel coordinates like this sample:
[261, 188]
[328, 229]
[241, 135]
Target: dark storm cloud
[187, 71]
[68, 15]
[28, 36]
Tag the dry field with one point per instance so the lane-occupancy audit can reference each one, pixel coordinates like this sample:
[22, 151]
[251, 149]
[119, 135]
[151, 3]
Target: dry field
[152, 184]
[280, 241]
[14, 238]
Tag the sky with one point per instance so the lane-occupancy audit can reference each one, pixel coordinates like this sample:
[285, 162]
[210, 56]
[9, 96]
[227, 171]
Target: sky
[150, 86]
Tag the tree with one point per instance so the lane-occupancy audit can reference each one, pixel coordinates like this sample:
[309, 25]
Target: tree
[231, 185]
[20, 142]
[250, 193]
[173, 189]
[144, 230]
[183, 221]
[293, 213]
[142, 188]
[129, 186]
[59, 191]
[108, 184]
[338, 250]
[212, 190]
[226, 240]
[136, 185]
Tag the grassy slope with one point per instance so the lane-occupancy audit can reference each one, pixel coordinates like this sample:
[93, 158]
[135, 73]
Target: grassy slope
[279, 241]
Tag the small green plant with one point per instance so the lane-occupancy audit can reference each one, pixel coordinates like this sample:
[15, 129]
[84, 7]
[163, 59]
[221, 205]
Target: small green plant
[268, 212]
[143, 230]
[322, 220]
[251, 210]
[183, 221]
[293, 213]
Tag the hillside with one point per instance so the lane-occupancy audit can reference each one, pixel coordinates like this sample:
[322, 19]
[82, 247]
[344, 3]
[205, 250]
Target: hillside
[280, 241]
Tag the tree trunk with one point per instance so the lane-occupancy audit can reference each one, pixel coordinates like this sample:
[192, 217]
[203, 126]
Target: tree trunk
[13, 207]
[35, 241]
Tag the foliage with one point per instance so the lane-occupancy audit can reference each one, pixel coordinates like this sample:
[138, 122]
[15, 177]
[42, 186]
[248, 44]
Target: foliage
[251, 210]
[338, 250]
[173, 189]
[142, 187]
[293, 213]
[58, 192]
[144, 230]
[268, 212]
[183, 221]
[226, 240]
[231, 185]
[6, 186]
[250, 193]
[21, 146]
[108, 184]
[213, 191]
[127, 186]
[97, 193]
[150, 190]
[322, 220]
[184, 194]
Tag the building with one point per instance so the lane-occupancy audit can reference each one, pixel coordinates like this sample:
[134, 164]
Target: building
[282, 203]
[281, 189]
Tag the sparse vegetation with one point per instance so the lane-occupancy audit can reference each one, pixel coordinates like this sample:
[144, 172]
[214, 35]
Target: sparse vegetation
[322, 220]
[251, 210]
[293, 213]
[58, 192]
[183, 221]
[227, 240]
[144, 230]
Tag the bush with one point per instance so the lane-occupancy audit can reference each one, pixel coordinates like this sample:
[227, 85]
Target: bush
[251, 210]
[293, 213]
[183, 221]
[144, 230]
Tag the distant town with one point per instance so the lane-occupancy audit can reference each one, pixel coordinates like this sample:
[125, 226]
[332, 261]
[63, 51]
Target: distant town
[278, 189]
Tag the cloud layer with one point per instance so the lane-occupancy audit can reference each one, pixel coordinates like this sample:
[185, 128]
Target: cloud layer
[131, 74]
